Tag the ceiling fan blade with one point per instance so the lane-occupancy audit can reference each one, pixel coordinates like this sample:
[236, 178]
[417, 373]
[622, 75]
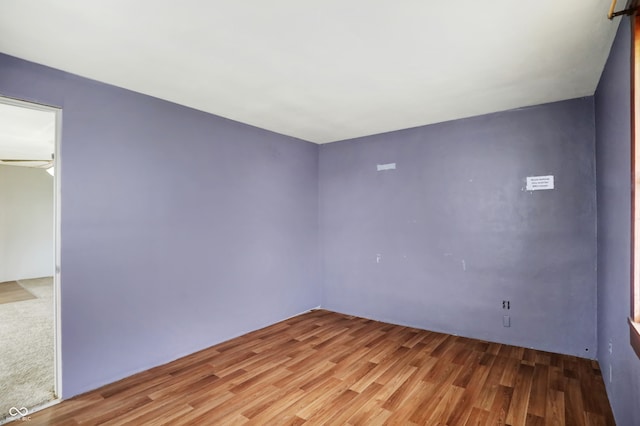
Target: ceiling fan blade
[22, 161]
[36, 164]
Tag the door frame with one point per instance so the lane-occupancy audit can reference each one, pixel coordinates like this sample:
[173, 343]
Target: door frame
[57, 329]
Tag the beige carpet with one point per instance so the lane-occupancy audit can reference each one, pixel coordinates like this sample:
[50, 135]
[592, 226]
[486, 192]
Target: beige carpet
[26, 348]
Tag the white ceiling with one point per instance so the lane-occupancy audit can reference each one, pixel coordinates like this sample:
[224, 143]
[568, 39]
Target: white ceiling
[323, 70]
[26, 134]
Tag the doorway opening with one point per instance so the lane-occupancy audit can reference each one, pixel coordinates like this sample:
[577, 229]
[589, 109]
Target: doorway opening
[30, 362]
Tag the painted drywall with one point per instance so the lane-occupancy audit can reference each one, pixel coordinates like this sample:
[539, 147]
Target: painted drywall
[620, 366]
[179, 229]
[442, 240]
[26, 223]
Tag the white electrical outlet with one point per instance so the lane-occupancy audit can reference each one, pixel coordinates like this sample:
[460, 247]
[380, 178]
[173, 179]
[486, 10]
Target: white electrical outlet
[506, 321]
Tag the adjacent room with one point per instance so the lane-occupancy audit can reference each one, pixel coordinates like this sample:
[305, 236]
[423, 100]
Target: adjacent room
[334, 212]
[27, 140]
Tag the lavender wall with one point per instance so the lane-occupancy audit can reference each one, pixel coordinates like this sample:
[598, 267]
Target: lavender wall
[457, 233]
[180, 229]
[621, 367]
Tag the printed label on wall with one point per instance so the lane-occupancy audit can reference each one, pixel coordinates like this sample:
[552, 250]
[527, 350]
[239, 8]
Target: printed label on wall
[536, 183]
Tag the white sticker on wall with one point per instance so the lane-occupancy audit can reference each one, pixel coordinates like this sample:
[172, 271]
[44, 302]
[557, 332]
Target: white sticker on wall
[388, 166]
[536, 183]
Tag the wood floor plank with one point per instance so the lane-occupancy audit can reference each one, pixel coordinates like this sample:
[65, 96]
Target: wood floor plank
[500, 407]
[328, 368]
[555, 413]
[279, 409]
[405, 390]
[344, 414]
[341, 398]
[574, 403]
[12, 291]
[478, 417]
[537, 399]
[469, 398]
[521, 394]
[438, 412]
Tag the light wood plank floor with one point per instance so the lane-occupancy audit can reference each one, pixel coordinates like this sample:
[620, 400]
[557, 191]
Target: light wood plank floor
[12, 291]
[328, 368]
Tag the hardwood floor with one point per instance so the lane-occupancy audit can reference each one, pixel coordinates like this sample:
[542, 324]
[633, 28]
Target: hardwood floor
[328, 368]
[12, 291]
